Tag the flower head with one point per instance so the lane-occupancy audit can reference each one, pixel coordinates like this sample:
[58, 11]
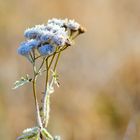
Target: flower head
[46, 49]
[71, 24]
[60, 38]
[26, 47]
[46, 36]
[34, 32]
[57, 33]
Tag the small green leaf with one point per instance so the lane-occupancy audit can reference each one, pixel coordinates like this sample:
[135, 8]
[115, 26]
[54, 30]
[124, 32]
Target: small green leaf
[55, 77]
[46, 134]
[22, 81]
[29, 133]
[27, 136]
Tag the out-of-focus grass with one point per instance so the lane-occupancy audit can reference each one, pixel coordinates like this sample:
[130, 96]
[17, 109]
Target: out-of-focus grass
[100, 76]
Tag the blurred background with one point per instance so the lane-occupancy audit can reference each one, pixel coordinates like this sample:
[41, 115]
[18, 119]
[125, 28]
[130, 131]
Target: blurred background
[99, 96]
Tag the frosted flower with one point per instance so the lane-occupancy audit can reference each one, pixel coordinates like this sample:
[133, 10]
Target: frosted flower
[71, 24]
[53, 27]
[46, 49]
[56, 33]
[26, 47]
[34, 32]
[56, 21]
[33, 43]
[60, 38]
[46, 36]
[23, 49]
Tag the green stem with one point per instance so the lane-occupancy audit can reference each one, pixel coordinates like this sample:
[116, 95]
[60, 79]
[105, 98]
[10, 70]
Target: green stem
[41, 65]
[56, 62]
[51, 60]
[35, 98]
[46, 103]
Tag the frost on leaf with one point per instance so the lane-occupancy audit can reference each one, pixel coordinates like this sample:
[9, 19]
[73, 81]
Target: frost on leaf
[29, 134]
[22, 81]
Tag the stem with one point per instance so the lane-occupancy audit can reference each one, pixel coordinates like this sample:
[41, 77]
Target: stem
[56, 62]
[46, 98]
[41, 65]
[52, 60]
[35, 98]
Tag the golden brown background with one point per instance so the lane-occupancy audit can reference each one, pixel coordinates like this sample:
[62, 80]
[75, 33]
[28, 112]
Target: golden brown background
[99, 97]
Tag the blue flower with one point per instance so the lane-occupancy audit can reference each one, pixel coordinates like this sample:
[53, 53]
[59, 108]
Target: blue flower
[34, 32]
[56, 33]
[60, 38]
[46, 49]
[46, 36]
[26, 47]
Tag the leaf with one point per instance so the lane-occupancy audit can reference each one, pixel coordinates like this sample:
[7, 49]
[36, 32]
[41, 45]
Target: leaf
[57, 138]
[55, 77]
[22, 81]
[29, 133]
[46, 134]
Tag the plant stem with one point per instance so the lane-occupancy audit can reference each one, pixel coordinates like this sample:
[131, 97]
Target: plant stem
[35, 98]
[51, 60]
[46, 98]
[56, 62]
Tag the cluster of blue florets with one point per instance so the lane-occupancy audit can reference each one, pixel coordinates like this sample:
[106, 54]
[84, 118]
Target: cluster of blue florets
[46, 38]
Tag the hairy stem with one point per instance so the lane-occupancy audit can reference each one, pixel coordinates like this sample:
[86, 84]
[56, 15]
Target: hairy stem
[35, 98]
[46, 102]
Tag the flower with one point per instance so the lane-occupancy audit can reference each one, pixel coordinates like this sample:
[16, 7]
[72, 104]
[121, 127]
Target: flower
[71, 24]
[46, 36]
[56, 21]
[60, 37]
[26, 47]
[46, 49]
[57, 33]
[34, 32]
